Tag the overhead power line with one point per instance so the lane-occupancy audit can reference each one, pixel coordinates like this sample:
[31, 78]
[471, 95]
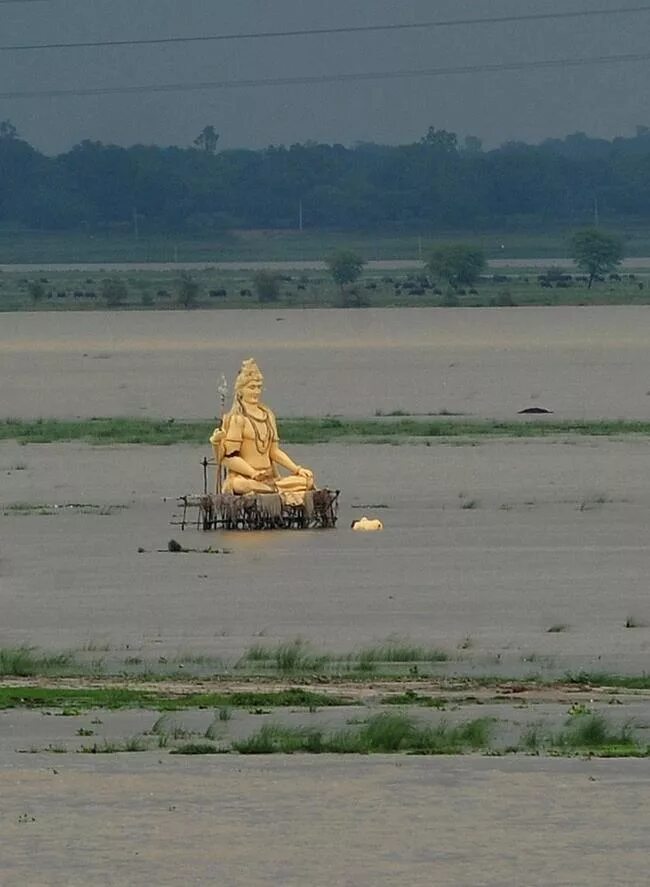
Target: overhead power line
[311, 32]
[327, 78]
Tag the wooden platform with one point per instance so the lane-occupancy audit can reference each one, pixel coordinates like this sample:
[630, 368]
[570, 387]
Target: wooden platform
[258, 511]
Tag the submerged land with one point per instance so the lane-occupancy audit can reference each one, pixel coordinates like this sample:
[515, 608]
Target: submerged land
[472, 678]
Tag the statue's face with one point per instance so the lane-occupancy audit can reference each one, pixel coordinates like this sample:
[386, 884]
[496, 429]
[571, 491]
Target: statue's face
[252, 391]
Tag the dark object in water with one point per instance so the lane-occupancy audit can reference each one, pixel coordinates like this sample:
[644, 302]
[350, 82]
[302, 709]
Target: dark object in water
[173, 545]
[530, 410]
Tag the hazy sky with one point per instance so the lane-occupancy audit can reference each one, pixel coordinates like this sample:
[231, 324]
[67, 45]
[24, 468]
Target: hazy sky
[603, 100]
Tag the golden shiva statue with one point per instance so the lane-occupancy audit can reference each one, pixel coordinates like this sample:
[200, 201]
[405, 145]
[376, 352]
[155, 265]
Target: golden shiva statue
[246, 445]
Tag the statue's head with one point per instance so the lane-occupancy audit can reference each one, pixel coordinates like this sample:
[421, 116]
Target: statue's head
[249, 383]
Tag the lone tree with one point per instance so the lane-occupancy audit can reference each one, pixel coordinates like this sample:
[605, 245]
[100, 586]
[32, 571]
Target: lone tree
[596, 252]
[114, 292]
[345, 266]
[267, 285]
[7, 130]
[207, 140]
[188, 290]
[36, 290]
[456, 263]
[444, 141]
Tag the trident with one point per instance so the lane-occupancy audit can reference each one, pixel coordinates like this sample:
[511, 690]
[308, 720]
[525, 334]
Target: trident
[222, 389]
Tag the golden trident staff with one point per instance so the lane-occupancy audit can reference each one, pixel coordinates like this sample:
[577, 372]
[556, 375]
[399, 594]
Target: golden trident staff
[222, 389]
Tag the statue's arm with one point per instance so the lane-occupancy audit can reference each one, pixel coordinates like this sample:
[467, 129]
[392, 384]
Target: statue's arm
[234, 435]
[279, 457]
[238, 465]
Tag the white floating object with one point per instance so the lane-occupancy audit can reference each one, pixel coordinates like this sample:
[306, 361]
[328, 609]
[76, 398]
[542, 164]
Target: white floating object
[366, 524]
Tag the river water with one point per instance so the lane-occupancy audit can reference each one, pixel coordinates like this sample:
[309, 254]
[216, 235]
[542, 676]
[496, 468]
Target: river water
[578, 362]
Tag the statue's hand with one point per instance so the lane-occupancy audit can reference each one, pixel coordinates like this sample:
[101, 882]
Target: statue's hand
[303, 472]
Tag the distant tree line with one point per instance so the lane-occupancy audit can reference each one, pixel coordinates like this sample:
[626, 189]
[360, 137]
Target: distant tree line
[437, 182]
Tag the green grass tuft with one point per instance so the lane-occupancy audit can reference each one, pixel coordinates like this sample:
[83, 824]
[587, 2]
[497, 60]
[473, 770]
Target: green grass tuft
[382, 733]
[605, 679]
[287, 658]
[308, 430]
[398, 653]
[116, 698]
[109, 747]
[27, 662]
[592, 731]
[271, 738]
[198, 748]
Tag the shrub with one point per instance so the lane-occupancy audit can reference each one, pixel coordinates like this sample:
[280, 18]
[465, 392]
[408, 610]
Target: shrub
[267, 285]
[36, 290]
[345, 266]
[114, 292]
[188, 290]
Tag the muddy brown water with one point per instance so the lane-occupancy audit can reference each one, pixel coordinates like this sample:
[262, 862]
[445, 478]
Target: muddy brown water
[485, 548]
[119, 820]
[579, 362]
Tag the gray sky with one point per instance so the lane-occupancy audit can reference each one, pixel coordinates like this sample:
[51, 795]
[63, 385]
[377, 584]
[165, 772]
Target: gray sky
[603, 100]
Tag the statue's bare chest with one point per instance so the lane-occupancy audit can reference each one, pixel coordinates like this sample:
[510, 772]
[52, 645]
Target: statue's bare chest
[258, 432]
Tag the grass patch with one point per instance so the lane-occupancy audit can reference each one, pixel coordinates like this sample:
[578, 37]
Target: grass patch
[306, 430]
[105, 246]
[155, 289]
[586, 733]
[48, 749]
[605, 679]
[410, 697]
[591, 731]
[533, 739]
[286, 658]
[32, 508]
[108, 747]
[28, 508]
[271, 739]
[297, 657]
[199, 748]
[27, 662]
[396, 654]
[116, 698]
[382, 733]
[166, 728]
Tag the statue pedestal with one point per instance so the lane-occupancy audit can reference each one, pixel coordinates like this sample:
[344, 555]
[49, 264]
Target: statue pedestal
[260, 511]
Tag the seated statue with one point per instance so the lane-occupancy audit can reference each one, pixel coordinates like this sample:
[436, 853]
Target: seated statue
[247, 446]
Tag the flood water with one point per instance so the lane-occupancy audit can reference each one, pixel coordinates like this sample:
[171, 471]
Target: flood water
[514, 557]
[579, 362]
